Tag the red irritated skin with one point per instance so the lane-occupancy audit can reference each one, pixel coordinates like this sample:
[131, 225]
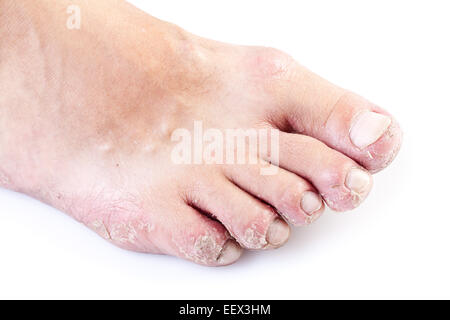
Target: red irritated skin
[88, 116]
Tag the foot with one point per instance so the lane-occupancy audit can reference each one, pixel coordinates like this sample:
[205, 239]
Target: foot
[89, 122]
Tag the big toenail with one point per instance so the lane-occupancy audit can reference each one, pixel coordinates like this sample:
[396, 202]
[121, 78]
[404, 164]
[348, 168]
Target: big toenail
[278, 233]
[358, 181]
[367, 128]
[230, 253]
[311, 202]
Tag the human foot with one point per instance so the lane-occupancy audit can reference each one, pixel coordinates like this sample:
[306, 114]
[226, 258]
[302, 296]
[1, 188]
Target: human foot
[88, 118]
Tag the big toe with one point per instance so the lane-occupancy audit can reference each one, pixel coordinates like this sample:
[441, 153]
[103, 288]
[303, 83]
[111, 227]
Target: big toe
[367, 133]
[341, 119]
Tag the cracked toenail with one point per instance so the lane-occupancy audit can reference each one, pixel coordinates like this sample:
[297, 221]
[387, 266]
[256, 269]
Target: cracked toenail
[367, 128]
[278, 233]
[311, 202]
[231, 251]
[358, 181]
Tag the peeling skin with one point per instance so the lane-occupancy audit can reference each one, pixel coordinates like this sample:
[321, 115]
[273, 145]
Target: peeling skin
[391, 156]
[287, 217]
[205, 250]
[310, 219]
[148, 227]
[205, 246]
[336, 200]
[384, 151]
[254, 239]
[124, 233]
[300, 220]
[388, 158]
[342, 198]
[134, 235]
[4, 179]
[99, 227]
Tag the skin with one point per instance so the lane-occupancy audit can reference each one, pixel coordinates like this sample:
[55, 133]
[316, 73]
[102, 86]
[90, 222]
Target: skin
[86, 118]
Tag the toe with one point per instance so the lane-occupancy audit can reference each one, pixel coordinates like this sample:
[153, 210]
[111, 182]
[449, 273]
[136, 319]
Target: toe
[200, 239]
[231, 252]
[342, 183]
[182, 232]
[361, 130]
[292, 196]
[342, 120]
[253, 224]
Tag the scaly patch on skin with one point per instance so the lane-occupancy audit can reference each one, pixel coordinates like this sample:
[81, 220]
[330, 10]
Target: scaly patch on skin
[205, 250]
[4, 179]
[341, 196]
[124, 233]
[99, 227]
[334, 201]
[254, 239]
[206, 247]
[147, 227]
[356, 197]
[288, 218]
[383, 158]
[310, 219]
[390, 157]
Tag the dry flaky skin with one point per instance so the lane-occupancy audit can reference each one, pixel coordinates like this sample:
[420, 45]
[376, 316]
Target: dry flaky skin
[86, 119]
[4, 179]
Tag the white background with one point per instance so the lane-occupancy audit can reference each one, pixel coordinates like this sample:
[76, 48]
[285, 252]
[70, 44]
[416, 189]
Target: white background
[396, 245]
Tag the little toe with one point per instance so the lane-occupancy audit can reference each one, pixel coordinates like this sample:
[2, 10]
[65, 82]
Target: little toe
[200, 239]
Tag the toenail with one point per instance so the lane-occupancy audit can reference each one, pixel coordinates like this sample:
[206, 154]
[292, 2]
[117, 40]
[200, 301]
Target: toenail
[311, 202]
[367, 128]
[278, 233]
[358, 181]
[230, 253]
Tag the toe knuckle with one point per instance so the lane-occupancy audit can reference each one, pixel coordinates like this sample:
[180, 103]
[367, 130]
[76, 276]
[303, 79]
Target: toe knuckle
[290, 197]
[272, 63]
[331, 177]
